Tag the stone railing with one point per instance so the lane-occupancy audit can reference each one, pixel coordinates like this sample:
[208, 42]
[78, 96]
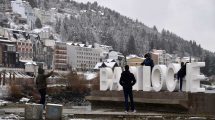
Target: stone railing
[12, 69]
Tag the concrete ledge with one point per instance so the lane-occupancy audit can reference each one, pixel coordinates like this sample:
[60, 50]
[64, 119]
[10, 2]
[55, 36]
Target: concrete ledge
[54, 111]
[171, 98]
[140, 100]
[117, 115]
[33, 111]
[194, 103]
[138, 116]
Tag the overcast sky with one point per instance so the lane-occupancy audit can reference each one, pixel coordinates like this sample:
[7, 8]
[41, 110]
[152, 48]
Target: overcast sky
[190, 19]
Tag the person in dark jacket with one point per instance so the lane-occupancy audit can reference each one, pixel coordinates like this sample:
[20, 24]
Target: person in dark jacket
[41, 84]
[181, 74]
[127, 80]
[148, 61]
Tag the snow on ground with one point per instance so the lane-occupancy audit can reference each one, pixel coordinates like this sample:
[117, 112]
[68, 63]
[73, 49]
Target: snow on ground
[57, 85]
[24, 100]
[90, 75]
[10, 117]
[3, 102]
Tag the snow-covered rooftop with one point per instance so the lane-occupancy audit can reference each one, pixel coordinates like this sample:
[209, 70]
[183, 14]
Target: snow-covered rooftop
[108, 64]
[110, 60]
[28, 62]
[98, 65]
[37, 30]
[133, 56]
[80, 44]
[43, 29]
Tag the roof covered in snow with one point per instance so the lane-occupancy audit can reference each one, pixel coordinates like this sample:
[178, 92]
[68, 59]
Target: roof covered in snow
[80, 45]
[105, 64]
[28, 62]
[133, 56]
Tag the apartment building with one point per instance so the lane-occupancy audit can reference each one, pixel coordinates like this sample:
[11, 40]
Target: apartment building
[8, 55]
[44, 33]
[161, 57]
[60, 56]
[25, 49]
[83, 57]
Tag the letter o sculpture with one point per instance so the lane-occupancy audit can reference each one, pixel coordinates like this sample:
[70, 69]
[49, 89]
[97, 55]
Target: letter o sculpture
[171, 81]
[158, 77]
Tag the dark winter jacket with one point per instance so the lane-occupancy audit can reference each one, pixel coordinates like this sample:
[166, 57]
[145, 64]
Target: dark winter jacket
[182, 72]
[127, 80]
[148, 62]
[41, 79]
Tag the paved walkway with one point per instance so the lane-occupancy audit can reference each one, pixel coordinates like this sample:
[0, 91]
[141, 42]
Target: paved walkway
[84, 111]
[80, 112]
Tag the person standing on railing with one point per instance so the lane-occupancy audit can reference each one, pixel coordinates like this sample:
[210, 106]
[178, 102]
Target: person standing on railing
[148, 61]
[41, 84]
[181, 75]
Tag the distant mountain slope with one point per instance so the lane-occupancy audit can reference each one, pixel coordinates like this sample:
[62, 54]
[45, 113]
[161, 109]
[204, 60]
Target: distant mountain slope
[93, 23]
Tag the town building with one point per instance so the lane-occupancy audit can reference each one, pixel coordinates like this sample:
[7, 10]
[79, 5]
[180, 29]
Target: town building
[44, 33]
[38, 49]
[8, 55]
[185, 59]
[25, 10]
[104, 51]
[24, 44]
[83, 57]
[102, 47]
[60, 56]
[161, 57]
[118, 57]
[18, 20]
[134, 60]
[31, 67]
[48, 59]
[110, 64]
[44, 46]
[49, 46]
[25, 49]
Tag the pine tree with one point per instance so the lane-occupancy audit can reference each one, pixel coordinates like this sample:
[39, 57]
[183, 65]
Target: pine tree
[38, 23]
[151, 45]
[107, 39]
[46, 4]
[209, 68]
[33, 3]
[131, 46]
[58, 26]
[155, 28]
